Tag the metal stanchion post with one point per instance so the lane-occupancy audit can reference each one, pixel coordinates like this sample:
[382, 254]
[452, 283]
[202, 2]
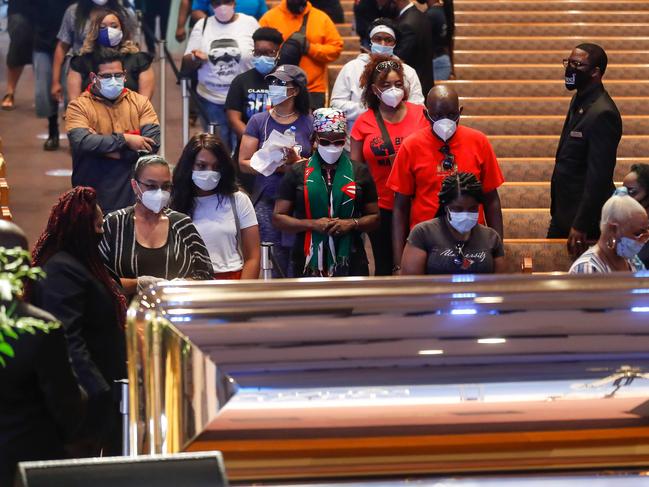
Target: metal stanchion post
[212, 128]
[266, 261]
[123, 409]
[184, 86]
[163, 97]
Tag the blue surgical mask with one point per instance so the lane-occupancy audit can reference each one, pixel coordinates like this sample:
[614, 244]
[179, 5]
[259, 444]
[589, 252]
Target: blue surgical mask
[463, 221]
[381, 49]
[109, 36]
[277, 94]
[263, 64]
[628, 248]
[111, 88]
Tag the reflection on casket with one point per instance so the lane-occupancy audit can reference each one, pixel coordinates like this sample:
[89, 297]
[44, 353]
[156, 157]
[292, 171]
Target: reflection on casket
[305, 379]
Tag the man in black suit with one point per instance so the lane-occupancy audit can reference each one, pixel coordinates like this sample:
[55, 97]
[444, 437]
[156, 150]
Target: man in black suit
[415, 46]
[583, 173]
[40, 400]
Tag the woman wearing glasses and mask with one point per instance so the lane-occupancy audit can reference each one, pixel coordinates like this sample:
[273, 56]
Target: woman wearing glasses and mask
[637, 184]
[376, 139]
[291, 114]
[624, 231]
[328, 201]
[148, 242]
[454, 242]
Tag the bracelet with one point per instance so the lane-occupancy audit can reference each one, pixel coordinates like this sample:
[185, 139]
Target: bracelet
[356, 222]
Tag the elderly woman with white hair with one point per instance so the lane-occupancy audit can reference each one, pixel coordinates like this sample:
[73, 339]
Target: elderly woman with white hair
[625, 230]
[328, 201]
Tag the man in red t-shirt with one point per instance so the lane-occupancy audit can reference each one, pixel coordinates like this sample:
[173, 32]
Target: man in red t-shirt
[428, 156]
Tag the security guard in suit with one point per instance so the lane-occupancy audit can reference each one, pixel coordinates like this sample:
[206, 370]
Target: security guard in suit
[583, 173]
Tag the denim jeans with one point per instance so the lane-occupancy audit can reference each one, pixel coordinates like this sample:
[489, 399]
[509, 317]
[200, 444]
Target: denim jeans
[268, 233]
[216, 114]
[46, 107]
[442, 67]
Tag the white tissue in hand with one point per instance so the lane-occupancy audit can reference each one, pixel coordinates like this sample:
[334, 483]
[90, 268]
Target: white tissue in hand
[271, 155]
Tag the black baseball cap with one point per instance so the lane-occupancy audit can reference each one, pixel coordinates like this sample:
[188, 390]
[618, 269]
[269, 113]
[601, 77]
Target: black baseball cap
[289, 72]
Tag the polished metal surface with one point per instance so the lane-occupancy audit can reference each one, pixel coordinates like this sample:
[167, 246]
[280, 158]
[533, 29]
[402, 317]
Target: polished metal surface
[394, 376]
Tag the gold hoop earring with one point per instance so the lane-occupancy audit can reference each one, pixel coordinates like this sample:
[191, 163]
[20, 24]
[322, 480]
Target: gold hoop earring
[611, 245]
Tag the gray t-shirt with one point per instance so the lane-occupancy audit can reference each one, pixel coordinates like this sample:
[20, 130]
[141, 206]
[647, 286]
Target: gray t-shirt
[446, 255]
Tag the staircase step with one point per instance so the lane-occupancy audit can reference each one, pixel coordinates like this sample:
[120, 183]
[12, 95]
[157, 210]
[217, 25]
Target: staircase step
[548, 5]
[563, 16]
[548, 42]
[541, 124]
[543, 105]
[535, 169]
[525, 195]
[526, 222]
[351, 43]
[548, 255]
[534, 56]
[545, 29]
[346, 29]
[545, 88]
[546, 145]
[543, 71]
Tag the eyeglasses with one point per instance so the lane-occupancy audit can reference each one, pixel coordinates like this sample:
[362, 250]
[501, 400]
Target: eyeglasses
[258, 53]
[386, 65]
[574, 64]
[155, 187]
[449, 159]
[117, 76]
[327, 143]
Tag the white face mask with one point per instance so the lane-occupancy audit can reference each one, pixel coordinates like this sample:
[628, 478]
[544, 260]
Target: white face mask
[392, 96]
[463, 221]
[101, 3]
[277, 94]
[627, 248]
[206, 180]
[330, 154]
[444, 128]
[224, 13]
[155, 200]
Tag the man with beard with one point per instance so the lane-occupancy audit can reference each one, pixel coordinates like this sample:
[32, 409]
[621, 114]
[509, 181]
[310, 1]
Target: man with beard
[312, 41]
[583, 173]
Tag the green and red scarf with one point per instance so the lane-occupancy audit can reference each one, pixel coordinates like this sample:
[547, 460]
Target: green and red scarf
[328, 255]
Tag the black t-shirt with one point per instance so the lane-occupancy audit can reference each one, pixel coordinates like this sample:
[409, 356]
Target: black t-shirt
[150, 262]
[134, 64]
[446, 255]
[439, 25]
[291, 188]
[248, 94]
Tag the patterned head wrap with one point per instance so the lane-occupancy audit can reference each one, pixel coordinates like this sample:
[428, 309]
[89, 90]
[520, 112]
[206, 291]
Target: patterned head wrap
[329, 120]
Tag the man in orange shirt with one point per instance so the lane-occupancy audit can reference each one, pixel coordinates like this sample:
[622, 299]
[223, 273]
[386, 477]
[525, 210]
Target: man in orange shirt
[319, 41]
[427, 156]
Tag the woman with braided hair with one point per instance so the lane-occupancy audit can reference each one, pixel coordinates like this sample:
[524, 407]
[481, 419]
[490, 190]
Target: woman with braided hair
[454, 242]
[80, 293]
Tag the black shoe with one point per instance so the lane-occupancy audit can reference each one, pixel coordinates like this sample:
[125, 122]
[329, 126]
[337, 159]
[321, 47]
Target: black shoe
[52, 143]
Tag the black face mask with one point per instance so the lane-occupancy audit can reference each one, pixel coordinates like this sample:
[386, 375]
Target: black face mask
[576, 79]
[296, 6]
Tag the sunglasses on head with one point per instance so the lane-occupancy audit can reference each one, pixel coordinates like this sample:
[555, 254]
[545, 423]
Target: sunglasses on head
[385, 65]
[449, 159]
[326, 143]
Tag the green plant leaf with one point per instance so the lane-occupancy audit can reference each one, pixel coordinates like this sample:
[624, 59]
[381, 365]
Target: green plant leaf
[6, 349]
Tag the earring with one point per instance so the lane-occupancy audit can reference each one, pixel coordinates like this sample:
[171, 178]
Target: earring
[610, 243]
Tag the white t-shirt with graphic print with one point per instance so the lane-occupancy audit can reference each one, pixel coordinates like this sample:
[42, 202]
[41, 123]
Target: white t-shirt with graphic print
[229, 49]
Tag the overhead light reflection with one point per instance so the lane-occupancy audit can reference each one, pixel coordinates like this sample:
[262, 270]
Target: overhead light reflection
[491, 341]
[488, 300]
[640, 309]
[463, 295]
[431, 352]
[464, 311]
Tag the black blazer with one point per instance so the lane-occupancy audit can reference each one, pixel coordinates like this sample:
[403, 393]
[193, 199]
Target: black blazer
[415, 45]
[40, 400]
[88, 313]
[582, 180]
